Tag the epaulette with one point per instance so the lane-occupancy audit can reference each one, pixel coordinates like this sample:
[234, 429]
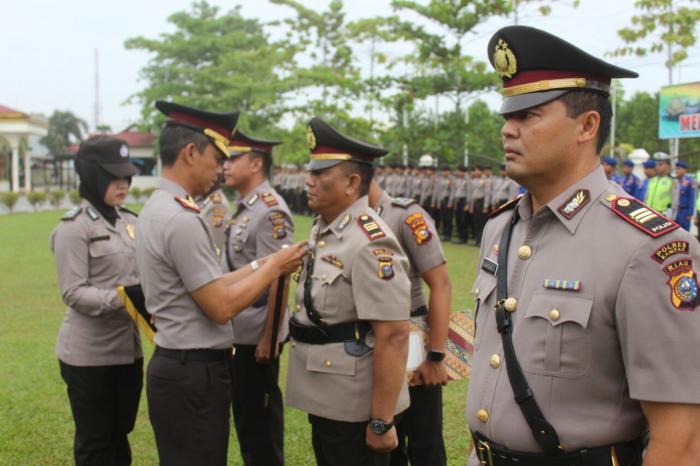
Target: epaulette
[404, 202]
[188, 203]
[122, 208]
[71, 214]
[92, 213]
[269, 199]
[370, 227]
[507, 206]
[640, 215]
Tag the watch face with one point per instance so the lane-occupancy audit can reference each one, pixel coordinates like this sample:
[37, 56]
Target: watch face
[378, 426]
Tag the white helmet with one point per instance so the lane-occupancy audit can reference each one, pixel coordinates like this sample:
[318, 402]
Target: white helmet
[425, 161]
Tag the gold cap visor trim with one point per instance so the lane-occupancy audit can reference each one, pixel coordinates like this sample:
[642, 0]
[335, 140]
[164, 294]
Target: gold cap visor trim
[551, 84]
[218, 140]
[330, 157]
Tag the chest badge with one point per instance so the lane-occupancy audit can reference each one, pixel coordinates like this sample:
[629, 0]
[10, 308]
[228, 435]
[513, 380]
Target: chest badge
[131, 230]
[333, 260]
[565, 285]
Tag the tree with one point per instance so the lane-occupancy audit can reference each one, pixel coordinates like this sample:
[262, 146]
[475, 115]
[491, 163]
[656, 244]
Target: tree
[668, 25]
[638, 122]
[64, 129]
[221, 62]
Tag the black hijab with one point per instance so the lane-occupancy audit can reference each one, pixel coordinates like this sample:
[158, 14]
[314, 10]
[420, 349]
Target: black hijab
[94, 181]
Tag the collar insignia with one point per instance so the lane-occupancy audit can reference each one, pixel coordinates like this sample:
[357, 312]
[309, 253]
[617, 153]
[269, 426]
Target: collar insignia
[252, 200]
[575, 203]
[188, 203]
[344, 222]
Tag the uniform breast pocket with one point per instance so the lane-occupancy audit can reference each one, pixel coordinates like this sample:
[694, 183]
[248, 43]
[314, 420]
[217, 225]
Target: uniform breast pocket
[484, 300]
[330, 359]
[332, 292]
[101, 248]
[553, 337]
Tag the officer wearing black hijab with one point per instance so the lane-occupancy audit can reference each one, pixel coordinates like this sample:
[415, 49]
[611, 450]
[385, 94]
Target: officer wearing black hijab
[98, 347]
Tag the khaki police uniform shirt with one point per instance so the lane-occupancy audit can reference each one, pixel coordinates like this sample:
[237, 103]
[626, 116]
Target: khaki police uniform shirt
[589, 355]
[427, 187]
[93, 258]
[347, 286]
[458, 190]
[216, 213]
[507, 190]
[261, 225]
[479, 188]
[441, 189]
[415, 231]
[176, 255]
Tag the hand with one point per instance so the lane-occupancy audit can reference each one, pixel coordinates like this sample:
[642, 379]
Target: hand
[430, 374]
[289, 259]
[381, 443]
[262, 350]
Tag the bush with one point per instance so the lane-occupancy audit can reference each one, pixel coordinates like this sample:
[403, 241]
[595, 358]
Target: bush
[36, 198]
[9, 200]
[74, 196]
[148, 191]
[56, 197]
[136, 193]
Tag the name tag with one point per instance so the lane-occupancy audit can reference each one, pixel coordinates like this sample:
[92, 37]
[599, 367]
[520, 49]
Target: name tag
[489, 266]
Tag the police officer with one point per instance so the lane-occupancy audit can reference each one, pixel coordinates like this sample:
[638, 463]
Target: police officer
[191, 300]
[458, 200]
[507, 190]
[629, 181]
[686, 188]
[261, 225]
[441, 199]
[609, 166]
[98, 346]
[426, 189]
[478, 206]
[649, 173]
[420, 428]
[563, 373]
[347, 364]
[216, 213]
[660, 194]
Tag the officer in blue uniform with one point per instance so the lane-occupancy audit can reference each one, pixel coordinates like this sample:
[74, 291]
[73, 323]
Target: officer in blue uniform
[687, 187]
[609, 165]
[629, 181]
[649, 172]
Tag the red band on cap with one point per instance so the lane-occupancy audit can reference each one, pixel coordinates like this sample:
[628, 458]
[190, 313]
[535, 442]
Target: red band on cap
[531, 76]
[200, 122]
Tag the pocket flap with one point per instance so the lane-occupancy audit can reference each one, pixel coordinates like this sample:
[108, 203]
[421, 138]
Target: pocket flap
[330, 359]
[103, 248]
[326, 273]
[483, 286]
[558, 309]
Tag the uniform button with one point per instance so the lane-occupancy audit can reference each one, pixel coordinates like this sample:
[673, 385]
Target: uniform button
[298, 307]
[328, 363]
[524, 252]
[321, 243]
[482, 415]
[294, 344]
[554, 314]
[495, 361]
[611, 197]
[323, 277]
[476, 292]
[511, 304]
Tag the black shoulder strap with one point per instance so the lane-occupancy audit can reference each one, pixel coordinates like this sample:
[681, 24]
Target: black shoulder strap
[227, 248]
[311, 311]
[544, 433]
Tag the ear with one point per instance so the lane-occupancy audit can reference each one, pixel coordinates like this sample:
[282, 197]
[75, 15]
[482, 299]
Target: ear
[256, 165]
[354, 182]
[187, 154]
[589, 123]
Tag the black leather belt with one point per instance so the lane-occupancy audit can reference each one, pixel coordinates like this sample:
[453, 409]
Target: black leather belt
[420, 311]
[622, 454]
[338, 333]
[196, 355]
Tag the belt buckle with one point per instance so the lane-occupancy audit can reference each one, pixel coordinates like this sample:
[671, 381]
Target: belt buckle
[483, 447]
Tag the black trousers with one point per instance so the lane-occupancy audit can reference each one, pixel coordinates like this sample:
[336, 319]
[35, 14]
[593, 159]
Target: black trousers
[420, 430]
[338, 443]
[479, 219]
[461, 220]
[104, 401]
[446, 214]
[258, 413]
[189, 406]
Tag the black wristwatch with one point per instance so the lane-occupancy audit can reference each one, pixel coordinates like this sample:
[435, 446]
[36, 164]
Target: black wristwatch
[380, 427]
[436, 356]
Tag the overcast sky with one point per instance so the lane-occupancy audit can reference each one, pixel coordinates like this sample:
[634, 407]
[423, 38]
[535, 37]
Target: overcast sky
[48, 47]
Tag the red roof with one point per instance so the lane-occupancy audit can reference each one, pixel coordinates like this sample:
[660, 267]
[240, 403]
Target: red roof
[7, 112]
[131, 135]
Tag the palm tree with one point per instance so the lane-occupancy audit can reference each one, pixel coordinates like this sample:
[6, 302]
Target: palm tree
[64, 129]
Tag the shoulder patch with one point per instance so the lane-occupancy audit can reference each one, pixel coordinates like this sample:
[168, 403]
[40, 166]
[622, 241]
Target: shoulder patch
[252, 200]
[370, 227]
[188, 203]
[92, 213]
[124, 209]
[269, 199]
[71, 214]
[507, 206]
[642, 216]
[683, 282]
[670, 249]
[420, 229]
[404, 202]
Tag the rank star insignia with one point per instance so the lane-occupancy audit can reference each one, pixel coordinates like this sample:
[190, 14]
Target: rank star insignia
[504, 60]
[131, 231]
[385, 268]
[575, 203]
[684, 285]
[269, 199]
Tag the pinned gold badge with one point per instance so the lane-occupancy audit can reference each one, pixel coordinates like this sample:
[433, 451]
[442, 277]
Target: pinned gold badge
[131, 231]
[504, 60]
[310, 138]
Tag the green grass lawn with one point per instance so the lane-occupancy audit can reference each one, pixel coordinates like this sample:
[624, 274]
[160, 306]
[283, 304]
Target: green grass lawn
[36, 427]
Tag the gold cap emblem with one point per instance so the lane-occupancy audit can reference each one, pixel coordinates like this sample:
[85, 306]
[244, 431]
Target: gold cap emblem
[310, 138]
[504, 60]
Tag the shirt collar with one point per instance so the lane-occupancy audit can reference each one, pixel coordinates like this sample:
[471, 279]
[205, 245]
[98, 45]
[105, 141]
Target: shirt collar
[340, 224]
[172, 187]
[259, 189]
